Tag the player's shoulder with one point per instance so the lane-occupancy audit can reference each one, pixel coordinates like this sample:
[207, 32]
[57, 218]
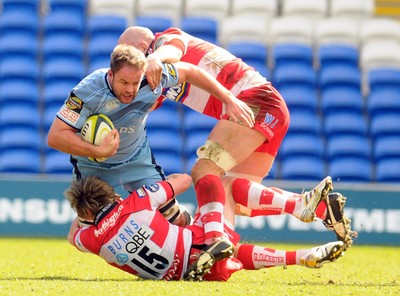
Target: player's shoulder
[93, 86]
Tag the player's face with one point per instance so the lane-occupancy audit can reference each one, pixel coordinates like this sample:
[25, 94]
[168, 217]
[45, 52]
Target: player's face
[125, 83]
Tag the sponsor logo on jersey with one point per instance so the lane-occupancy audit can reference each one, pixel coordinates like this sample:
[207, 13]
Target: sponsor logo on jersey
[74, 103]
[109, 222]
[140, 192]
[69, 114]
[122, 258]
[269, 123]
[177, 92]
[152, 188]
[171, 71]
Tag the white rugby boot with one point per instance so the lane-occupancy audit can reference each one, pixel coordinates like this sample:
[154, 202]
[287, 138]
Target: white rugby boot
[320, 255]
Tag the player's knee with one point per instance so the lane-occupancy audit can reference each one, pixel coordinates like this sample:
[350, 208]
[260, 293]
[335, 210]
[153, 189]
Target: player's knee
[215, 153]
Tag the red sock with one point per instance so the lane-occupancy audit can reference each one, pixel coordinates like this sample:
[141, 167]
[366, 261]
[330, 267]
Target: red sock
[263, 200]
[211, 199]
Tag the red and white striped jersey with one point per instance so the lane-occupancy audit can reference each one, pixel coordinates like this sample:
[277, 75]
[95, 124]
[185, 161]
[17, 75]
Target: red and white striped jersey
[229, 70]
[132, 235]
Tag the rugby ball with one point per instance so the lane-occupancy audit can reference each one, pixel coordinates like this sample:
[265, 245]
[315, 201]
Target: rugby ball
[95, 129]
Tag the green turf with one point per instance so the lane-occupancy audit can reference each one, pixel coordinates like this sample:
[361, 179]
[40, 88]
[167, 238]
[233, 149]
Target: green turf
[53, 267]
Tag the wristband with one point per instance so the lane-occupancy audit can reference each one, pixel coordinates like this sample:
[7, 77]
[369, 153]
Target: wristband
[152, 57]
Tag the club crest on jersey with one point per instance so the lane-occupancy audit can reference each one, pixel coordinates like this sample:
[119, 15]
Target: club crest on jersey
[74, 103]
[122, 258]
[152, 188]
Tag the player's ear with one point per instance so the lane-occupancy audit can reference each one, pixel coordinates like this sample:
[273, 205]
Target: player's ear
[143, 46]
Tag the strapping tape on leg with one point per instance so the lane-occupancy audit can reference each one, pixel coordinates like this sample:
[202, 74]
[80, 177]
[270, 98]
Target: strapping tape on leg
[213, 151]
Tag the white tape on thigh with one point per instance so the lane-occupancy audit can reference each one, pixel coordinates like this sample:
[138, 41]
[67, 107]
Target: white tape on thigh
[213, 151]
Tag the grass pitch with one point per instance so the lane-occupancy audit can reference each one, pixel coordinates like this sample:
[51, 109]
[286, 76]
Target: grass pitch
[53, 267]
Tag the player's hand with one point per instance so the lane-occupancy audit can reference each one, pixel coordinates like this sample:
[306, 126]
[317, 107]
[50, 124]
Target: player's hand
[154, 71]
[239, 112]
[110, 144]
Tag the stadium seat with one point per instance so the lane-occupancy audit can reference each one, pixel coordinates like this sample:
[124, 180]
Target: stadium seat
[154, 23]
[124, 8]
[384, 100]
[350, 169]
[59, 46]
[385, 124]
[243, 29]
[379, 54]
[56, 92]
[387, 170]
[302, 168]
[194, 121]
[32, 6]
[201, 27]
[19, 21]
[164, 118]
[19, 44]
[345, 123]
[48, 116]
[308, 9]
[166, 141]
[63, 69]
[385, 77]
[337, 54]
[339, 76]
[73, 7]
[338, 99]
[19, 115]
[300, 98]
[331, 31]
[290, 29]
[305, 122]
[100, 25]
[192, 142]
[22, 68]
[294, 74]
[66, 22]
[170, 9]
[379, 29]
[289, 53]
[19, 91]
[56, 162]
[100, 48]
[355, 9]
[266, 9]
[14, 138]
[170, 163]
[301, 145]
[20, 161]
[210, 8]
[386, 147]
[348, 146]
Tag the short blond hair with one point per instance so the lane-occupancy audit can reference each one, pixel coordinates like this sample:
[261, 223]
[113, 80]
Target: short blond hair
[124, 54]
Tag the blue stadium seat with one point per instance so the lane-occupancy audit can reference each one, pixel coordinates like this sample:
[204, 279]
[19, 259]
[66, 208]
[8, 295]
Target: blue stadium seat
[302, 168]
[294, 74]
[300, 98]
[339, 76]
[63, 22]
[55, 93]
[348, 146]
[292, 53]
[170, 163]
[345, 123]
[20, 161]
[168, 141]
[164, 118]
[59, 46]
[382, 77]
[386, 124]
[387, 170]
[194, 121]
[23, 68]
[337, 54]
[98, 25]
[384, 100]
[350, 169]
[201, 27]
[19, 115]
[386, 147]
[21, 5]
[154, 23]
[99, 48]
[68, 70]
[56, 162]
[19, 44]
[305, 122]
[48, 116]
[19, 21]
[301, 145]
[20, 138]
[19, 91]
[337, 99]
[192, 141]
[75, 7]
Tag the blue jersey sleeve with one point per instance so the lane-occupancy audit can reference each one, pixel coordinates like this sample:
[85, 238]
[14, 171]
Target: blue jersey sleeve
[170, 76]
